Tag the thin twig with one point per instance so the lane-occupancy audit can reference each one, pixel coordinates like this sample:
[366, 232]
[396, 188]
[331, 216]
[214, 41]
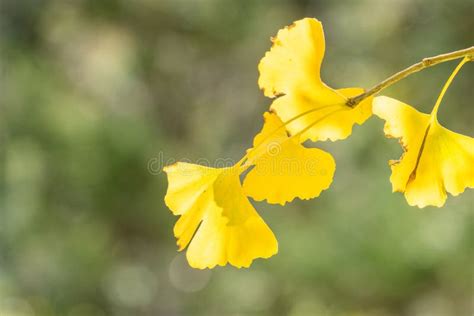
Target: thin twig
[425, 63]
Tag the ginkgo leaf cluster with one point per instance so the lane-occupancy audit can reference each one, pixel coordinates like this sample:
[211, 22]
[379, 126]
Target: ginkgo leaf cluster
[217, 221]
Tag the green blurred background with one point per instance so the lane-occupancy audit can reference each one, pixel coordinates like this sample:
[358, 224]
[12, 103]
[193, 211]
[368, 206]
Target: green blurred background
[94, 94]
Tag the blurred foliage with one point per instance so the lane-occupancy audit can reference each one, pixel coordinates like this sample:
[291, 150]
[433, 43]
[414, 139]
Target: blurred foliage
[92, 91]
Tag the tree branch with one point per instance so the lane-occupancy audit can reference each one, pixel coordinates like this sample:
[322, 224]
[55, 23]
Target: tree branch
[425, 63]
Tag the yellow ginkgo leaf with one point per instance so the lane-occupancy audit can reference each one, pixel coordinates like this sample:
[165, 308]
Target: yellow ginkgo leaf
[217, 220]
[436, 160]
[291, 70]
[284, 169]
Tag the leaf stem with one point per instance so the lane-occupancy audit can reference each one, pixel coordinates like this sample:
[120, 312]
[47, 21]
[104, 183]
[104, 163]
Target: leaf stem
[423, 64]
[434, 112]
[284, 124]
